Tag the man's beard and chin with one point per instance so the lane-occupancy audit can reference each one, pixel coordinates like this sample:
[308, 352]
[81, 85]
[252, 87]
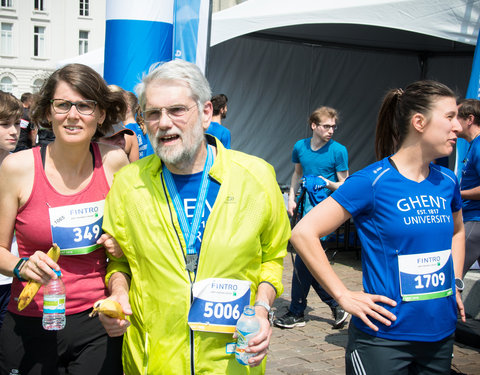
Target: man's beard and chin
[181, 154]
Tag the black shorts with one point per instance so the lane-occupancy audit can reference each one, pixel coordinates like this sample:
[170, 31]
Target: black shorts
[81, 348]
[4, 298]
[370, 355]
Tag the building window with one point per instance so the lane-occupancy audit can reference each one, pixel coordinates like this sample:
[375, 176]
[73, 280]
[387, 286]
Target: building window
[6, 84]
[7, 3]
[82, 42]
[84, 8]
[37, 85]
[6, 39]
[38, 5]
[39, 41]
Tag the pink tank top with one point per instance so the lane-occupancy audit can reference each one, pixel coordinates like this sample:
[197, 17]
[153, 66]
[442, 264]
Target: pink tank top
[74, 222]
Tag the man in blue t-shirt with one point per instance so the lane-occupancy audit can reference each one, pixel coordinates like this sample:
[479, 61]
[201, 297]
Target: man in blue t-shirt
[469, 118]
[219, 103]
[321, 165]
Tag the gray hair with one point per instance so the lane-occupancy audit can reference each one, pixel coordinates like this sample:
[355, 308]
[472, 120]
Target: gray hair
[172, 71]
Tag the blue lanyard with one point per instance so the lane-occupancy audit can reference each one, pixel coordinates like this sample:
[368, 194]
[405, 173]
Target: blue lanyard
[190, 233]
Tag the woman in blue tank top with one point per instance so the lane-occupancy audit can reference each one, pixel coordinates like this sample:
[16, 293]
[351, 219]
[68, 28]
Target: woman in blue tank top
[407, 211]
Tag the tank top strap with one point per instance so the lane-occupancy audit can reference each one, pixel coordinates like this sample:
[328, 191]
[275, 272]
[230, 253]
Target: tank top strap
[38, 159]
[96, 154]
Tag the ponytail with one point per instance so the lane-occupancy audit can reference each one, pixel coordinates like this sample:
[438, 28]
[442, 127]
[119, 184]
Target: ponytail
[388, 134]
[397, 110]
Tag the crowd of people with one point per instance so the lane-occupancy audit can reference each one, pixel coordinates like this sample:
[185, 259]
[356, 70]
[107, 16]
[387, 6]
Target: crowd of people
[153, 210]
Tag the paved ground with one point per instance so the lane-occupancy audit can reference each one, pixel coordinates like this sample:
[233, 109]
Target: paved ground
[319, 349]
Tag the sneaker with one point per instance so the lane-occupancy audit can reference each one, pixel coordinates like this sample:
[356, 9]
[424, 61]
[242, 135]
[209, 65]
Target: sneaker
[340, 316]
[290, 320]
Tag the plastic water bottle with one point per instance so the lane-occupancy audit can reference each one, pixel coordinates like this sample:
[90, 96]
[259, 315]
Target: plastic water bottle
[54, 304]
[248, 327]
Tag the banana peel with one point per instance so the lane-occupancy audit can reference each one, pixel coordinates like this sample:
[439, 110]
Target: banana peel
[108, 307]
[32, 287]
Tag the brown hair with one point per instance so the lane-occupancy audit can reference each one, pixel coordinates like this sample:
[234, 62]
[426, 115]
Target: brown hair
[322, 112]
[10, 107]
[469, 107]
[218, 102]
[87, 83]
[398, 108]
[132, 102]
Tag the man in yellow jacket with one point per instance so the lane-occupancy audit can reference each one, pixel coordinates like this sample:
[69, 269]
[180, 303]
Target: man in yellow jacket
[203, 231]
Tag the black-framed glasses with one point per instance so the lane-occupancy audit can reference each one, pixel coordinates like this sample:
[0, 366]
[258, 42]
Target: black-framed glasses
[175, 112]
[328, 127]
[84, 107]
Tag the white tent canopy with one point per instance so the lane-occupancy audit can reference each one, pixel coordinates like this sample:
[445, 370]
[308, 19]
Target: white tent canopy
[278, 60]
[455, 20]
[93, 59]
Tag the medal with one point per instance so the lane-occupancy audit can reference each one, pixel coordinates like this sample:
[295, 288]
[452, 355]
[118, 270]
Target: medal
[192, 260]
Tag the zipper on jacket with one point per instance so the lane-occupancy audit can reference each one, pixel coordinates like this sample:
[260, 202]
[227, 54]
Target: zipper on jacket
[192, 341]
[145, 355]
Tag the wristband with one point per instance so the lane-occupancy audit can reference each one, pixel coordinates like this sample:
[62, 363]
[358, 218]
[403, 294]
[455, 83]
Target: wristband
[267, 307]
[18, 267]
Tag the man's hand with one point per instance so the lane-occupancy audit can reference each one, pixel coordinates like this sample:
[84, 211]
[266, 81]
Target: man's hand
[111, 245]
[313, 183]
[291, 206]
[117, 327]
[259, 344]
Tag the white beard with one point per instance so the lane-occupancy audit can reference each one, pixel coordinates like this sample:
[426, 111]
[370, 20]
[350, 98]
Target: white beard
[183, 154]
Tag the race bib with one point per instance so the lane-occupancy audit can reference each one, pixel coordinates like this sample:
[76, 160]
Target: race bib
[426, 276]
[217, 304]
[76, 228]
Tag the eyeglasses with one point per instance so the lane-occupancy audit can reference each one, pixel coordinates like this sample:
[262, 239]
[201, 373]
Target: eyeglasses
[328, 127]
[84, 107]
[175, 112]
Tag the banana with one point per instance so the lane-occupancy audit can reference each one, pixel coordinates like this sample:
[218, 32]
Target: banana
[108, 307]
[32, 287]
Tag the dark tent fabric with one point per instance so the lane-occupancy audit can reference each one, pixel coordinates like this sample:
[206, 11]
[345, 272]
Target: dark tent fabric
[274, 83]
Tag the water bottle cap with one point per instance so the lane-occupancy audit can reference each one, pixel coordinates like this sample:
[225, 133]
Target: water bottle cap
[249, 310]
[58, 273]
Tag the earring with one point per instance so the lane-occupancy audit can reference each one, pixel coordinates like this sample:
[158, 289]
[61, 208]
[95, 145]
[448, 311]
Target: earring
[99, 125]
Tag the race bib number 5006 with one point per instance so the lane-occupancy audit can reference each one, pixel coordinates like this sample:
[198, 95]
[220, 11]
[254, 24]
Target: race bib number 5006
[217, 304]
[76, 228]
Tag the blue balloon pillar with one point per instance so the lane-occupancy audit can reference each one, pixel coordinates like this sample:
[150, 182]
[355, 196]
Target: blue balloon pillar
[138, 34]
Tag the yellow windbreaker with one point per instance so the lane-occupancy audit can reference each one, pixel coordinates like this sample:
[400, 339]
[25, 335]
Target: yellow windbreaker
[245, 238]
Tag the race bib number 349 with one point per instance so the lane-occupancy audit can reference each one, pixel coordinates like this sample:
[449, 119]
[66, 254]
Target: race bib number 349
[217, 304]
[76, 228]
[426, 276]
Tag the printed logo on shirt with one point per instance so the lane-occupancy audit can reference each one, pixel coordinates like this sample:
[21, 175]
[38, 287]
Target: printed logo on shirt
[423, 209]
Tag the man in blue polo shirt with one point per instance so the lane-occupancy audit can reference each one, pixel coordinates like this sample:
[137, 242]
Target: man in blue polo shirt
[321, 165]
[219, 103]
[469, 118]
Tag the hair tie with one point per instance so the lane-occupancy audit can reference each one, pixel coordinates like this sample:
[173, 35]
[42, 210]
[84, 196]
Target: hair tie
[398, 92]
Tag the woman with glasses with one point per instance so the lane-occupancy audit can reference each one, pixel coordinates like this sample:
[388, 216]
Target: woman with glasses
[408, 214]
[55, 194]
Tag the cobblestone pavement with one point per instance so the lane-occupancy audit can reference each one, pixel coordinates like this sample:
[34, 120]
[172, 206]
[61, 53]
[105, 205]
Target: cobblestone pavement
[317, 348]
